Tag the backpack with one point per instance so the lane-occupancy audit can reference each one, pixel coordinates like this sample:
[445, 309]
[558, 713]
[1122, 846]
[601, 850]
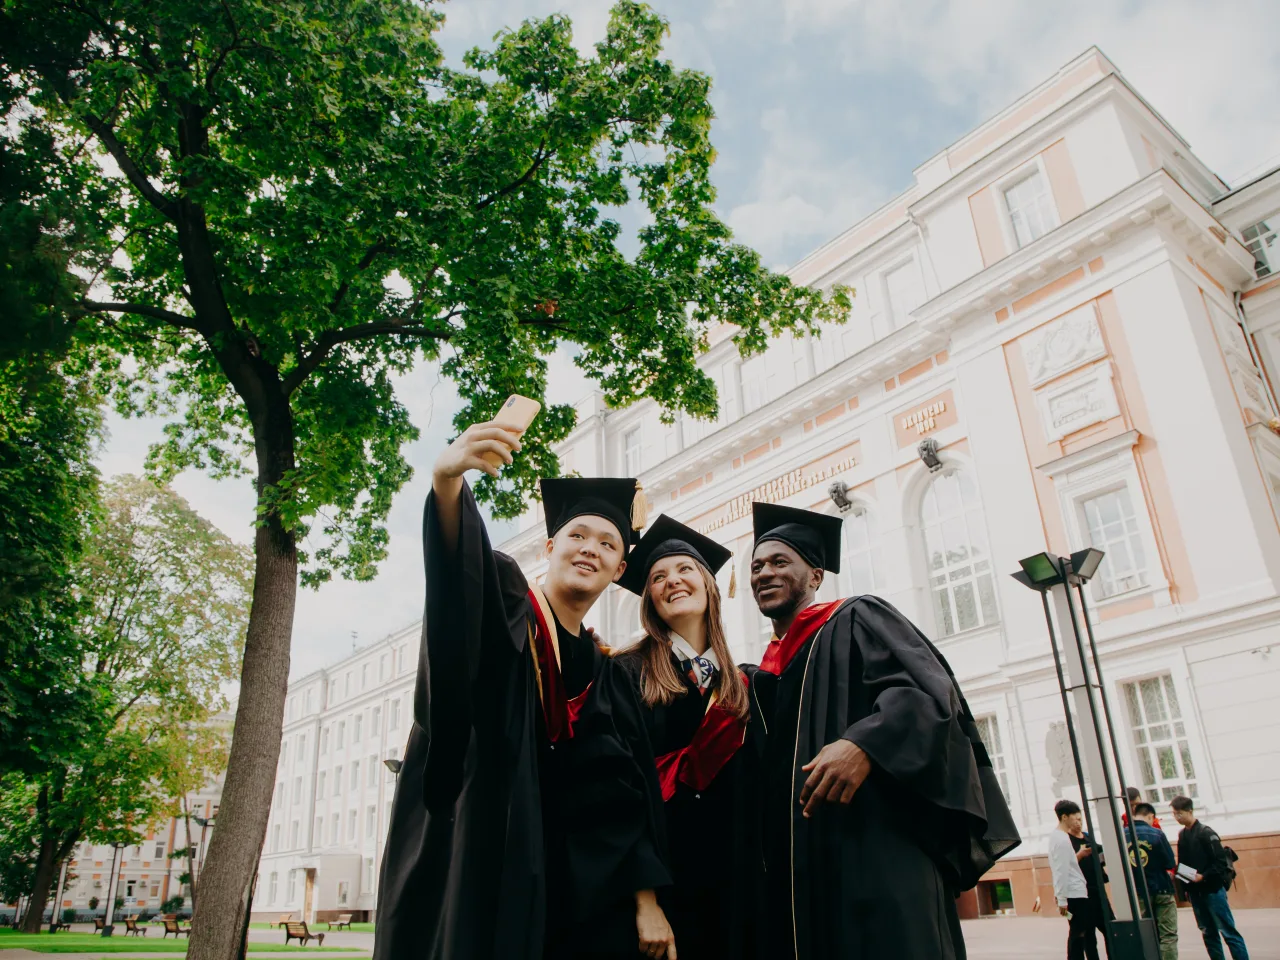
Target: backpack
[1230, 857]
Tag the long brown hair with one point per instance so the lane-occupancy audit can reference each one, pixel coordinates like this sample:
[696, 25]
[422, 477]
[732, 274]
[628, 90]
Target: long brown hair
[659, 682]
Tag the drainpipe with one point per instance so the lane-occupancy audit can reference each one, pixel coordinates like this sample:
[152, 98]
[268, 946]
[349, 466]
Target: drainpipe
[1253, 353]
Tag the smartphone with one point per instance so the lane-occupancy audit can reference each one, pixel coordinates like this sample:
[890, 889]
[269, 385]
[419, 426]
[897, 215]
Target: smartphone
[515, 415]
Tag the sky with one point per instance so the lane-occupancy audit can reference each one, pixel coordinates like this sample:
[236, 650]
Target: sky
[824, 107]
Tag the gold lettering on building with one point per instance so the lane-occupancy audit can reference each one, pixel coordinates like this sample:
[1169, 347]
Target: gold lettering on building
[779, 488]
[924, 419]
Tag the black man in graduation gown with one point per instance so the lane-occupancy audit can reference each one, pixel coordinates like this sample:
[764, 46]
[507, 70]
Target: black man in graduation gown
[516, 834]
[880, 802]
[694, 706]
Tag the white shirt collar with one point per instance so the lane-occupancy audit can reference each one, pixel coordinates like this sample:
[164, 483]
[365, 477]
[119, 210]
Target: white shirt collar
[683, 651]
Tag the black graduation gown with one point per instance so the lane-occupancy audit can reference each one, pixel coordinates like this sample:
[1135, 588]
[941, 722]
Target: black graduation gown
[503, 845]
[713, 836]
[877, 878]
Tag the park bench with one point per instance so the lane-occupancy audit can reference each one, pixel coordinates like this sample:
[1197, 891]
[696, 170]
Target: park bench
[344, 920]
[59, 925]
[282, 919]
[298, 931]
[131, 926]
[171, 926]
[98, 924]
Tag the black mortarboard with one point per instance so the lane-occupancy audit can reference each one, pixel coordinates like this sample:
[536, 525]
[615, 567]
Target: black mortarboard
[815, 536]
[616, 499]
[668, 538]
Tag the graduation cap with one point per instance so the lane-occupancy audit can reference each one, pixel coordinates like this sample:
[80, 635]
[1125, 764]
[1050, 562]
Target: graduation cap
[815, 536]
[669, 538]
[619, 500]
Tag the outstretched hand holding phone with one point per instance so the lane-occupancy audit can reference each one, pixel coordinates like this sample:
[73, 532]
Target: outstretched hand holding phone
[486, 446]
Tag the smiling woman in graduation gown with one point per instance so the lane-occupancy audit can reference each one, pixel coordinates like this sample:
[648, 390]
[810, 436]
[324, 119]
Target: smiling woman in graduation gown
[872, 874]
[694, 706]
[484, 858]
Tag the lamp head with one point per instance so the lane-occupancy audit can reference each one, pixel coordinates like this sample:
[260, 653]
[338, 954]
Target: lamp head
[1084, 563]
[1043, 570]
[393, 765]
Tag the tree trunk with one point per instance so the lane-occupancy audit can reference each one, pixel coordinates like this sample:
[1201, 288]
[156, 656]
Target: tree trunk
[241, 825]
[46, 869]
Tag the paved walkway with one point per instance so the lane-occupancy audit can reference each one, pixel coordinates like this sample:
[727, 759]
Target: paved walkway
[1045, 938]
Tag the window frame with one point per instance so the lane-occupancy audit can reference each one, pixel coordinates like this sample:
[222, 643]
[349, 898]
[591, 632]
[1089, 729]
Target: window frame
[912, 261]
[921, 548]
[1180, 678]
[634, 429]
[1092, 472]
[1033, 167]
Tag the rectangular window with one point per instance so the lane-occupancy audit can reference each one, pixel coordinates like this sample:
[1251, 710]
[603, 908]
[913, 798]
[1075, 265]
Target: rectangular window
[279, 795]
[364, 677]
[1113, 528]
[273, 887]
[333, 692]
[337, 780]
[275, 841]
[335, 830]
[355, 727]
[404, 659]
[1263, 241]
[1160, 738]
[351, 825]
[632, 452]
[159, 854]
[368, 874]
[295, 837]
[342, 733]
[297, 789]
[355, 774]
[903, 293]
[382, 667]
[371, 772]
[1030, 207]
[320, 785]
[284, 754]
[370, 821]
[989, 730]
[393, 715]
[375, 722]
[344, 892]
[309, 702]
[324, 740]
[302, 749]
[291, 892]
[317, 831]
[753, 384]
[346, 684]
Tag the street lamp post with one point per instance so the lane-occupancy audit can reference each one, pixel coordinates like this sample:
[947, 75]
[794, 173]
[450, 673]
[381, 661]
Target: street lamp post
[113, 880]
[57, 896]
[1093, 741]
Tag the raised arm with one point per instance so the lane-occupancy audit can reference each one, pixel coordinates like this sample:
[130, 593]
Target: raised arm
[466, 453]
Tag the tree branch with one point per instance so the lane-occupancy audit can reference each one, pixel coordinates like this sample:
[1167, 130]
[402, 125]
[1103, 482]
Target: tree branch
[362, 265]
[539, 158]
[361, 331]
[142, 310]
[102, 130]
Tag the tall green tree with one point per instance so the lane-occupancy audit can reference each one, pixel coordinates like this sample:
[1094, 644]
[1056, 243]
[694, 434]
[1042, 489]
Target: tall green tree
[313, 201]
[162, 624]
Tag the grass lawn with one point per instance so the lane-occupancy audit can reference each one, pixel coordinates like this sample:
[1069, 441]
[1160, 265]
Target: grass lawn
[93, 943]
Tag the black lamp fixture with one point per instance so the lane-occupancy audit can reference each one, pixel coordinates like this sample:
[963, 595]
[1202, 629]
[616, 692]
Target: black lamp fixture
[394, 765]
[1039, 572]
[928, 453]
[839, 494]
[1085, 563]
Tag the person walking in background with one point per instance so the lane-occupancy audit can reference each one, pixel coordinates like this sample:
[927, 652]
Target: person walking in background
[1206, 872]
[1155, 857]
[1094, 866]
[1069, 886]
[1134, 796]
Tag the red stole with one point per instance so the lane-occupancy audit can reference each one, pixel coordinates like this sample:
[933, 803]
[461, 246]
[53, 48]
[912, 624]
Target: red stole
[559, 711]
[807, 622]
[714, 743]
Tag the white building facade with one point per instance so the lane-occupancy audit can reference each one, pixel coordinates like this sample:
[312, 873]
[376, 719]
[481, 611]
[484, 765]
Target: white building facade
[1080, 322]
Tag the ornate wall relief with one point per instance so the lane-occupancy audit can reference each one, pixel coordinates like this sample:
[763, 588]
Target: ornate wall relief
[1063, 344]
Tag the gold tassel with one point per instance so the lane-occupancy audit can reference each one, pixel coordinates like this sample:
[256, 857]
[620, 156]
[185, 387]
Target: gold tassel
[639, 509]
[733, 577]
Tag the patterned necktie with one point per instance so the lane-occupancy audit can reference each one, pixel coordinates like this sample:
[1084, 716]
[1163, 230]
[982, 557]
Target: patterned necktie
[701, 671]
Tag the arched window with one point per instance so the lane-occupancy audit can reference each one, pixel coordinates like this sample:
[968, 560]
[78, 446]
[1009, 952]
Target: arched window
[861, 567]
[956, 554]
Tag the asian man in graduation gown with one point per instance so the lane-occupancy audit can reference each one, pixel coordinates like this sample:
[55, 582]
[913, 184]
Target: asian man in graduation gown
[521, 828]
[880, 802]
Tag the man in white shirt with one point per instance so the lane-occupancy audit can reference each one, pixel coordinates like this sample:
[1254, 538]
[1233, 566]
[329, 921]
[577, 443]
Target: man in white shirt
[1069, 887]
